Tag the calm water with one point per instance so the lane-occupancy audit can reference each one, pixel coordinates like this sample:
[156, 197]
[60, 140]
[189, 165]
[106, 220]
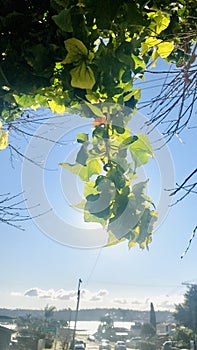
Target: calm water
[91, 327]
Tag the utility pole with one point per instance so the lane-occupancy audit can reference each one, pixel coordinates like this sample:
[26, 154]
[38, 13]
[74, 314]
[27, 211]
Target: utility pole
[76, 312]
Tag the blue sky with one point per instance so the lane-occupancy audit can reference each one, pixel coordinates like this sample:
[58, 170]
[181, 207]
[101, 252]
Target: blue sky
[37, 269]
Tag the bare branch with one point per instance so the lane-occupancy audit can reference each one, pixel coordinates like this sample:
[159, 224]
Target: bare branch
[180, 187]
[190, 241]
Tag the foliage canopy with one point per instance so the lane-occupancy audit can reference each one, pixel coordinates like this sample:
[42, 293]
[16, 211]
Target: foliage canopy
[186, 313]
[60, 54]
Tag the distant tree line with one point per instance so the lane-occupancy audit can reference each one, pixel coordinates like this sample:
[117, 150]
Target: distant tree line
[118, 314]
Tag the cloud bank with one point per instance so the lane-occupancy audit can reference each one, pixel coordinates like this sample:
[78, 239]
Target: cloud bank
[102, 297]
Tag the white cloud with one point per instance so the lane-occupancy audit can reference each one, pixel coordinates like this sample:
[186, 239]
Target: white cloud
[102, 292]
[95, 298]
[62, 294]
[100, 297]
[161, 302]
[121, 301]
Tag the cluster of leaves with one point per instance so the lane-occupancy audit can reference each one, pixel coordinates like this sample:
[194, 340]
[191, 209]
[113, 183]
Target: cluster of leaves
[59, 54]
[103, 42]
[108, 164]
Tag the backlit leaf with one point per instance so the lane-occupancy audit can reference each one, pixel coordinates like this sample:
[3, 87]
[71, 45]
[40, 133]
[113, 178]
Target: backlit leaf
[92, 167]
[96, 110]
[3, 140]
[82, 137]
[82, 155]
[56, 108]
[152, 41]
[82, 77]
[136, 93]
[90, 188]
[24, 100]
[88, 217]
[165, 49]
[154, 57]
[74, 168]
[161, 19]
[141, 150]
[76, 50]
[112, 240]
[128, 141]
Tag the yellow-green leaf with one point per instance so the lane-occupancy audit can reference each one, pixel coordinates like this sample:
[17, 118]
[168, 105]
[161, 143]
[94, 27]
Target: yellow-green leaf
[112, 240]
[92, 167]
[55, 108]
[97, 111]
[90, 188]
[154, 58]
[93, 97]
[74, 168]
[80, 205]
[82, 77]
[76, 50]
[138, 61]
[3, 139]
[152, 41]
[136, 93]
[165, 49]
[88, 217]
[144, 47]
[161, 19]
[24, 100]
[141, 150]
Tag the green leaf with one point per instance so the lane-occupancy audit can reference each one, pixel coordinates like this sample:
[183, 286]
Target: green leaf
[82, 77]
[24, 101]
[129, 140]
[55, 107]
[3, 138]
[80, 205]
[41, 100]
[82, 155]
[161, 19]
[154, 57]
[112, 240]
[63, 20]
[88, 217]
[141, 150]
[97, 111]
[139, 63]
[74, 168]
[92, 167]
[82, 137]
[138, 188]
[99, 204]
[129, 218]
[136, 93]
[165, 49]
[76, 51]
[146, 225]
[92, 97]
[90, 188]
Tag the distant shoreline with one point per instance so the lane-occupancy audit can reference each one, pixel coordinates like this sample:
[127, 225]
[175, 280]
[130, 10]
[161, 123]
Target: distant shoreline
[118, 315]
